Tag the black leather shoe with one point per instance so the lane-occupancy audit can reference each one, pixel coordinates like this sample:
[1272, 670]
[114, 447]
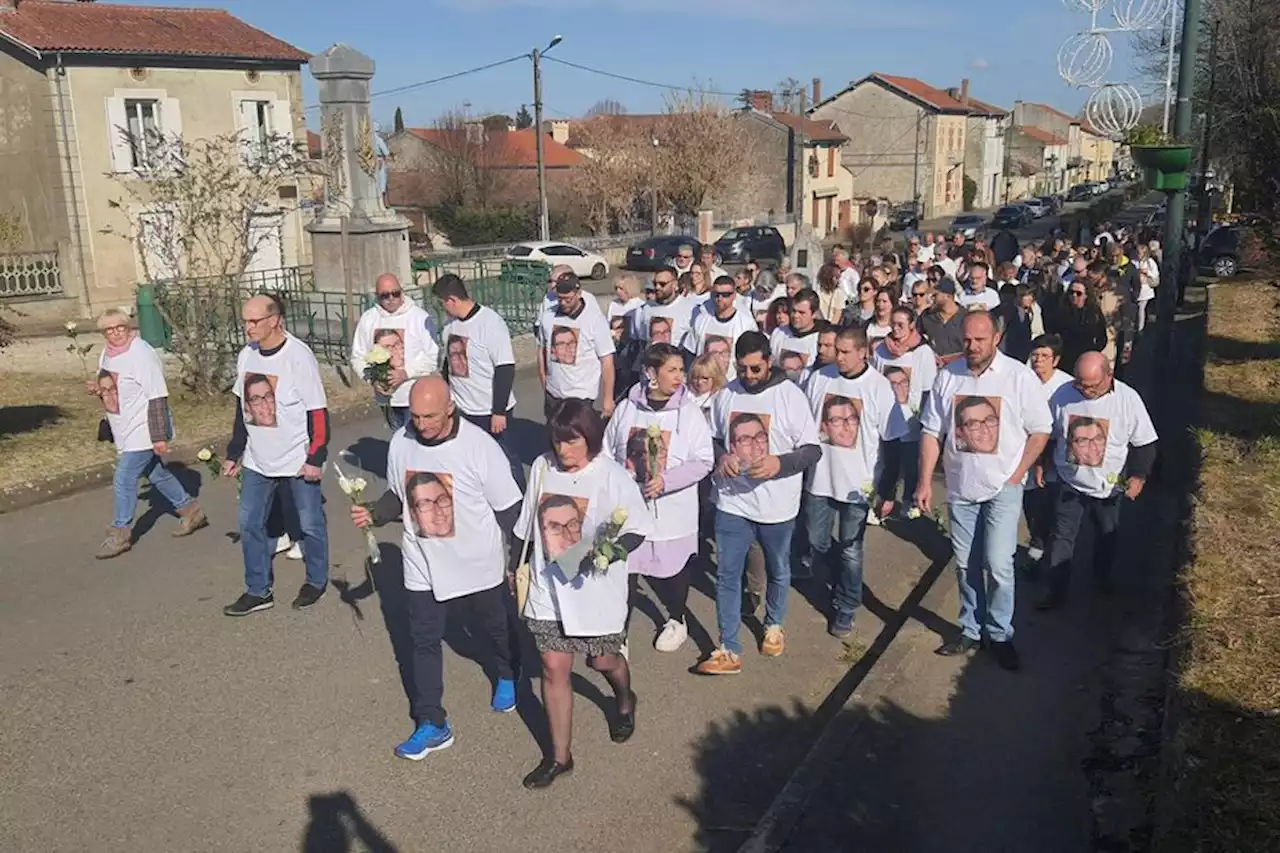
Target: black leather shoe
[546, 773]
[1005, 654]
[961, 645]
[623, 726]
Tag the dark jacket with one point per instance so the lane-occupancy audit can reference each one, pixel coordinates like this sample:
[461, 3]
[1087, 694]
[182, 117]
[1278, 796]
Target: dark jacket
[1082, 330]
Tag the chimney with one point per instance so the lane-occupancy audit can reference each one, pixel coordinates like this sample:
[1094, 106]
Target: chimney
[964, 91]
[760, 99]
[817, 91]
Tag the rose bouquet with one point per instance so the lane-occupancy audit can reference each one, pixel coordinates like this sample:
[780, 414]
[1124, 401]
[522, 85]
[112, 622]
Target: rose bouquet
[377, 368]
[607, 550]
[353, 488]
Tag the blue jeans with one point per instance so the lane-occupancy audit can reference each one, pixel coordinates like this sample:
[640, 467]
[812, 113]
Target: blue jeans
[132, 465]
[256, 492]
[397, 417]
[820, 512]
[734, 535]
[992, 526]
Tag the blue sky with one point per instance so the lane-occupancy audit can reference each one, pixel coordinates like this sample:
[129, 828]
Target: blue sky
[1007, 48]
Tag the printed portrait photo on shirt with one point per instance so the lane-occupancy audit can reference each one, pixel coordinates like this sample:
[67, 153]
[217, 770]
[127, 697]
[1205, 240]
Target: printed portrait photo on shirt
[900, 381]
[719, 347]
[260, 399]
[1087, 440]
[430, 498]
[977, 423]
[749, 435]
[456, 351]
[659, 330]
[392, 340]
[109, 391]
[793, 364]
[617, 328]
[564, 344]
[561, 519]
[841, 420]
[641, 460]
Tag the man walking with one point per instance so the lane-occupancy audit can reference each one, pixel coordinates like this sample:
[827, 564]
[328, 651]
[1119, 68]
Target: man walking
[978, 295]
[280, 439]
[800, 339]
[576, 356]
[406, 331]
[451, 484]
[717, 331]
[666, 319]
[766, 438]
[1104, 445]
[942, 324]
[989, 416]
[479, 365]
[910, 365]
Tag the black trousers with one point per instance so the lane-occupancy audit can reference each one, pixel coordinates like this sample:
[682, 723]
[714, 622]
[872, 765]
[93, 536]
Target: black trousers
[492, 620]
[504, 441]
[1080, 519]
[1038, 507]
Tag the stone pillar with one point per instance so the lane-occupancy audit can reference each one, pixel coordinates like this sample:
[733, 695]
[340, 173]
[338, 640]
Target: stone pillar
[355, 236]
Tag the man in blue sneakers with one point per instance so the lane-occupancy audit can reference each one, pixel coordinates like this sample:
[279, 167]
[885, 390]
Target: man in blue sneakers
[451, 483]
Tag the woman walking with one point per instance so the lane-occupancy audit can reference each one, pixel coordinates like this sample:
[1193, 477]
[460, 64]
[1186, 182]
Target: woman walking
[573, 607]
[1149, 278]
[878, 327]
[1080, 324]
[831, 297]
[658, 434]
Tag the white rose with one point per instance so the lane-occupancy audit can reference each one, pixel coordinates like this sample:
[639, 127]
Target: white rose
[205, 454]
[654, 431]
[71, 326]
[619, 516]
[358, 484]
[914, 512]
[378, 355]
[601, 562]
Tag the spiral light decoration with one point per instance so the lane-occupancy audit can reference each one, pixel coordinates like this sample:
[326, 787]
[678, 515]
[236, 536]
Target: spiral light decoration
[1114, 108]
[1084, 59]
[1133, 15]
[1084, 5]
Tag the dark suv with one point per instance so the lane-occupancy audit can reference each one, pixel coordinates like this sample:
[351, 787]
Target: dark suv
[904, 217]
[751, 243]
[1220, 251]
[657, 252]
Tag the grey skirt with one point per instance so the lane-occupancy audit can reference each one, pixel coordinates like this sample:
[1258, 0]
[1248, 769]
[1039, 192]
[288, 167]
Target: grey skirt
[549, 636]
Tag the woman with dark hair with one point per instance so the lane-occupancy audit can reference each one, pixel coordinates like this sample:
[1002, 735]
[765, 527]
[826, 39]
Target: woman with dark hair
[1080, 323]
[574, 606]
[660, 435]
[878, 327]
[777, 315]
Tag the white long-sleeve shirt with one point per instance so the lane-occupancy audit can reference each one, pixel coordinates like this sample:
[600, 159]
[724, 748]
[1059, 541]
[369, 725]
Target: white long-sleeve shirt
[419, 352]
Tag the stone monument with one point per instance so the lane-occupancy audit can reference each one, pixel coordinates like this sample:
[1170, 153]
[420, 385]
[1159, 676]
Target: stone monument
[355, 236]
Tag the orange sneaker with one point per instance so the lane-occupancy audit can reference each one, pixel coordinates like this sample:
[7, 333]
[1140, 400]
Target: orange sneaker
[774, 641]
[721, 662]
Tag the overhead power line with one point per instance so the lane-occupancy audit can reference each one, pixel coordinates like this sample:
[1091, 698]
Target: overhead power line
[455, 75]
[640, 82]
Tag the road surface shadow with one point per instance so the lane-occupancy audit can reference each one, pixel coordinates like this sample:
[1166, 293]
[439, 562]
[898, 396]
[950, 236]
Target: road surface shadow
[337, 825]
[157, 506]
[15, 420]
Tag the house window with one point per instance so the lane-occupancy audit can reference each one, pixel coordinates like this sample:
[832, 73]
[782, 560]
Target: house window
[261, 124]
[831, 162]
[143, 124]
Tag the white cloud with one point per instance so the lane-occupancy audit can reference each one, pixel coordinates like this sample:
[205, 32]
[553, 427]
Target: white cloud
[868, 17]
[979, 64]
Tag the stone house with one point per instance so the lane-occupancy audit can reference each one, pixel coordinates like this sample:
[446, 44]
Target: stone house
[1090, 154]
[984, 147]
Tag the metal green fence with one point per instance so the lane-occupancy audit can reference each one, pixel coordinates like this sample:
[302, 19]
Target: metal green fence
[513, 288]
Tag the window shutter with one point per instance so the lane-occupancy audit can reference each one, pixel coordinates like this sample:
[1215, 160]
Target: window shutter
[282, 124]
[117, 131]
[246, 120]
[170, 118]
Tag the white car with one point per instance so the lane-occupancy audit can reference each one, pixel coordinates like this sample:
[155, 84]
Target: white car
[584, 264]
[1035, 205]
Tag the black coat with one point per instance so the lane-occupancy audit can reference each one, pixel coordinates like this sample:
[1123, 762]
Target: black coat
[1082, 330]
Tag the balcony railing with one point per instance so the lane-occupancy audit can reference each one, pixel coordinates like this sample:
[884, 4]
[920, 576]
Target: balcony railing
[30, 274]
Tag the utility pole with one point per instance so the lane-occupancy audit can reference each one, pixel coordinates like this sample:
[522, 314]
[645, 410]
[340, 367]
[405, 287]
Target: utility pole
[544, 219]
[798, 106]
[915, 170]
[1175, 211]
[1168, 71]
[1206, 212]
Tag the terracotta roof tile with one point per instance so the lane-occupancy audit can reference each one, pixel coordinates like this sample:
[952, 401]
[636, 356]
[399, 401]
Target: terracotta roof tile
[1042, 136]
[519, 148]
[921, 91]
[978, 107]
[814, 129]
[65, 25]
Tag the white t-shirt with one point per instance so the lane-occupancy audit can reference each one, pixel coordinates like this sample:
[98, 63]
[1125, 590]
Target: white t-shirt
[771, 422]
[551, 304]
[850, 463]
[448, 493]
[684, 437]
[568, 509]
[705, 304]
[784, 340]
[573, 347]
[1056, 380]
[1092, 437]
[876, 333]
[921, 368]
[849, 280]
[137, 378]
[670, 321]
[1001, 407]
[989, 299]
[276, 392]
[473, 349]
[630, 310]
[407, 334]
[1151, 270]
[720, 335]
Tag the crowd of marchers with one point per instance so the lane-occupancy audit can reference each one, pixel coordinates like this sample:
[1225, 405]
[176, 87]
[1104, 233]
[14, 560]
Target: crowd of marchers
[699, 410]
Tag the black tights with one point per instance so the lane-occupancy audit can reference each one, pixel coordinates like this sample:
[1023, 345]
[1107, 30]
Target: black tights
[557, 694]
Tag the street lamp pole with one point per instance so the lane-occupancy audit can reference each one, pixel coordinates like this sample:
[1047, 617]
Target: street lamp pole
[544, 219]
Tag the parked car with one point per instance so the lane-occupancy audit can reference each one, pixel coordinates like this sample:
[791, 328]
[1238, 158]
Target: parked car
[1052, 204]
[1080, 192]
[904, 217]
[585, 264]
[968, 224]
[1011, 216]
[1036, 206]
[1220, 251]
[752, 243]
[655, 253]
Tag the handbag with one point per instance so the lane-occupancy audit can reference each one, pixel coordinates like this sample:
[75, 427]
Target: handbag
[524, 574]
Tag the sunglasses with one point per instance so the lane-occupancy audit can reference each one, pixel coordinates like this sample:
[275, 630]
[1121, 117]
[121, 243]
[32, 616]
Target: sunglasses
[721, 294]
[1077, 293]
[390, 294]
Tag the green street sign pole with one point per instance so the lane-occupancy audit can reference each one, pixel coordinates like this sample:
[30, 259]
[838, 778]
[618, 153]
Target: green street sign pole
[1175, 209]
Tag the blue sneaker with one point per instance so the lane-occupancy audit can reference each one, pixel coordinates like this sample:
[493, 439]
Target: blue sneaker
[504, 696]
[426, 739]
[841, 625]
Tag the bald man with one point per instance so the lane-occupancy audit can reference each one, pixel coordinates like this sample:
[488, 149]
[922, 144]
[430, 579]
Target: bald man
[993, 396]
[1103, 449]
[450, 482]
[397, 324]
[283, 445]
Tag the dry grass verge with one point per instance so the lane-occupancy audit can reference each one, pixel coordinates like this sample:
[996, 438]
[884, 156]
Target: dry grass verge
[1228, 788]
[48, 424]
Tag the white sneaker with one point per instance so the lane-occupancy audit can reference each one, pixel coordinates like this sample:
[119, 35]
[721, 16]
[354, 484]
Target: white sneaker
[672, 637]
[295, 553]
[284, 543]
[872, 518]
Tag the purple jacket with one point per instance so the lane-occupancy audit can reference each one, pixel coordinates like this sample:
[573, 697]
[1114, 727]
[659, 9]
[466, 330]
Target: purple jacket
[686, 473]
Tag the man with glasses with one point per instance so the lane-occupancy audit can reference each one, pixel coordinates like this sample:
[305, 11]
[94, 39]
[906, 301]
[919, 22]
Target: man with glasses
[977, 295]
[942, 324]
[683, 259]
[1104, 445]
[395, 321]
[575, 359]
[670, 311]
[284, 448]
[988, 415]
[766, 439]
[725, 321]
[452, 485]
[921, 296]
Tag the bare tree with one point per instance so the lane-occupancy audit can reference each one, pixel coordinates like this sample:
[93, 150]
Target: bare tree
[606, 107]
[465, 165]
[613, 173]
[702, 150]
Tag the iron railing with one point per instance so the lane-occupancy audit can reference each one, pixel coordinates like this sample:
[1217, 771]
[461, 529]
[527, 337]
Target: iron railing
[30, 274]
